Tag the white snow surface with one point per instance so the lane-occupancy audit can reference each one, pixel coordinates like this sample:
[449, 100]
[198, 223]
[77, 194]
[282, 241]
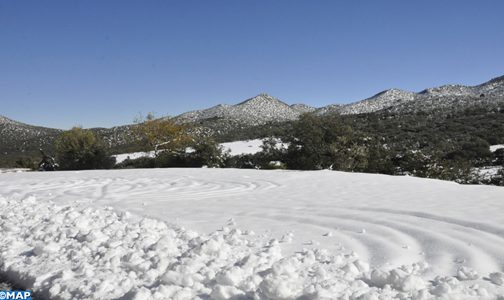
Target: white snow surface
[494, 148]
[243, 147]
[249, 234]
[134, 155]
[13, 170]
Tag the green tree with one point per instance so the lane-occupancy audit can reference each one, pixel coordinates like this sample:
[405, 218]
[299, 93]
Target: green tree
[161, 134]
[79, 149]
[325, 142]
[209, 153]
[307, 146]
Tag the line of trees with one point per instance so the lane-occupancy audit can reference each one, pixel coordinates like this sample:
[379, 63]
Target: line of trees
[421, 145]
[172, 143]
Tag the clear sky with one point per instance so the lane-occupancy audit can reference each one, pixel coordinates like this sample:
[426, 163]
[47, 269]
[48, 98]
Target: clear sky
[100, 63]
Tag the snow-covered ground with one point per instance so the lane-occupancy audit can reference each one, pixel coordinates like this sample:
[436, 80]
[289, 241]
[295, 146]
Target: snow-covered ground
[234, 148]
[243, 147]
[494, 148]
[13, 170]
[248, 234]
[134, 155]
[487, 173]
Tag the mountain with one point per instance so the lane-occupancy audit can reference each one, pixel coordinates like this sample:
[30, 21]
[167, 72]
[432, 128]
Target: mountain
[17, 136]
[377, 102]
[258, 110]
[23, 140]
[264, 110]
[453, 96]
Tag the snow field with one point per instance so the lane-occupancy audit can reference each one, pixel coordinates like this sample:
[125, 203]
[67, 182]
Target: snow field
[253, 235]
[67, 253]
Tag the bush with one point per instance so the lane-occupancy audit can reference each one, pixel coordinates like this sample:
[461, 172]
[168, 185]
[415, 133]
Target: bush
[141, 162]
[208, 153]
[325, 142]
[204, 152]
[79, 149]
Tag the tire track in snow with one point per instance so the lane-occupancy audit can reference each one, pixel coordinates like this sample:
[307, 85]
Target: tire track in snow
[387, 240]
[185, 189]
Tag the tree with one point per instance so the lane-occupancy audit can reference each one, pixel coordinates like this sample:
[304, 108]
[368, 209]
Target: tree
[209, 153]
[325, 142]
[161, 134]
[306, 144]
[79, 149]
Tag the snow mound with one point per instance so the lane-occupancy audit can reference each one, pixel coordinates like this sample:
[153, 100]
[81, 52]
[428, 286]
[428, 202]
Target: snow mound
[64, 252]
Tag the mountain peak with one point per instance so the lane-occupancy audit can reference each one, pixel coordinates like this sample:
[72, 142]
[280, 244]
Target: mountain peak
[260, 99]
[393, 93]
[257, 110]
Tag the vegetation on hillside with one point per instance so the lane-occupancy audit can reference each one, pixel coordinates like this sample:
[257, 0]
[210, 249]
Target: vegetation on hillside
[442, 144]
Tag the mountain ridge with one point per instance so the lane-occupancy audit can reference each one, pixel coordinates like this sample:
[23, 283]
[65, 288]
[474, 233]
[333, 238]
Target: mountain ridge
[386, 99]
[263, 109]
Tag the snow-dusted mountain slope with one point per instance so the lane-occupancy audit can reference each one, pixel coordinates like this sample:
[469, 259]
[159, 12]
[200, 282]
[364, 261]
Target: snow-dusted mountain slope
[443, 97]
[265, 108]
[14, 130]
[379, 101]
[254, 111]
[250, 234]
[16, 138]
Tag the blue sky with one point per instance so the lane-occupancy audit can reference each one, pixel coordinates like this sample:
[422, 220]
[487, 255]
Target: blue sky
[100, 63]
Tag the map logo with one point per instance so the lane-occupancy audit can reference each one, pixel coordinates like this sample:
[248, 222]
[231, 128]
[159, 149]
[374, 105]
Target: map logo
[15, 295]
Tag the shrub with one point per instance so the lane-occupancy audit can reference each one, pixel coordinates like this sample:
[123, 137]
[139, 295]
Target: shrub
[208, 153]
[325, 142]
[79, 149]
[141, 162]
